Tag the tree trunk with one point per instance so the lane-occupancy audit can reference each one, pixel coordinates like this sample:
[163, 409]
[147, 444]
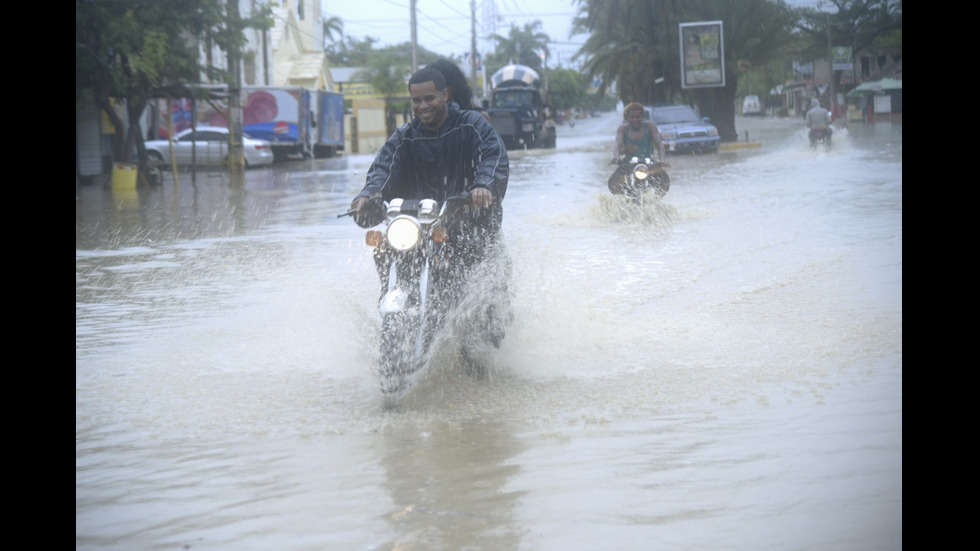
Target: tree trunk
[718, 104]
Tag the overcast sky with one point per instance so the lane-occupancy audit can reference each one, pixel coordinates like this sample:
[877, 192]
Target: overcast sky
[444, 26]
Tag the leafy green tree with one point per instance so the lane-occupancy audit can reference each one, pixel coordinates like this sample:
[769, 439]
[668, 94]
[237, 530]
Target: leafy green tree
[860, 24]
[351, 51]
[358, 52]
[131, 52]
[566, 88]
[634, 42]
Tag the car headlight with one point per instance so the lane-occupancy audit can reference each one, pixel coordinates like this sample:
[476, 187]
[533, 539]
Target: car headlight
[640, 172]
[403, 233]
[712, 131]
[528, 127]
[668, 135]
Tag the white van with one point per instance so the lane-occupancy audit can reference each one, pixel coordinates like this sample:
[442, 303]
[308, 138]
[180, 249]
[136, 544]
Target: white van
[751, 106]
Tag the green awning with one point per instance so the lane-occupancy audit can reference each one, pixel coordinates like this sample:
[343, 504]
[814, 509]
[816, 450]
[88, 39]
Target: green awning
[876, 86]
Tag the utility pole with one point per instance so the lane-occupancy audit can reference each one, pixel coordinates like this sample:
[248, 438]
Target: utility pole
[415, 43]
[473, 44]
[236, 151]
[830, 50]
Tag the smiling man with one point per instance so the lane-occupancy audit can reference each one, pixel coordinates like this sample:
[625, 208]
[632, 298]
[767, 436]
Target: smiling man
[442, 152]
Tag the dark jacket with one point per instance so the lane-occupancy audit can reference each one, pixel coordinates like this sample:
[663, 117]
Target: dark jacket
[417, 163]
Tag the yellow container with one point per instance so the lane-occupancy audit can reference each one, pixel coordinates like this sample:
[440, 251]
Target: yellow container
[126, 199]
[124, 176]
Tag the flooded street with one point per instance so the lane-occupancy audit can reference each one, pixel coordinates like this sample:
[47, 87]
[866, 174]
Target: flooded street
[719, 371]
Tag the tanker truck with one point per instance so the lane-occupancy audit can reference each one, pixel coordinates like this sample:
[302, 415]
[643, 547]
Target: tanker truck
[519, 108]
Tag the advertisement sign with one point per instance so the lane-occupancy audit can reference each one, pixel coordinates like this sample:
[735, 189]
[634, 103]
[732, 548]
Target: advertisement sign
[360, 90]
[883, 103]
[842, 58]
[702, 54]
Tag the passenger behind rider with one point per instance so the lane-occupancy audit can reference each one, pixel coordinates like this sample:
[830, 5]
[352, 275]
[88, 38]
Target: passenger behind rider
[457, 88]
[818, 118]
[635, 137]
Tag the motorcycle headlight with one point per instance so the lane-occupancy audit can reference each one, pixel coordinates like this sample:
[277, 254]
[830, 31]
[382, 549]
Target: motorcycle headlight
[640, 172]
[403, 233]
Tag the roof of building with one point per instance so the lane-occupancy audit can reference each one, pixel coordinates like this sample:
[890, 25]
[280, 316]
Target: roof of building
[307, 65]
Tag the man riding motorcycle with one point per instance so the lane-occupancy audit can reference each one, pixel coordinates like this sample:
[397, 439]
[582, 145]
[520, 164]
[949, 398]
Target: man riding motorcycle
[818, 121]
[634, 137]
[443, 152]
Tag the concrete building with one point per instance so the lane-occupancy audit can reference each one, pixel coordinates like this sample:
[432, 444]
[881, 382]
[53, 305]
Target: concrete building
[289, 54]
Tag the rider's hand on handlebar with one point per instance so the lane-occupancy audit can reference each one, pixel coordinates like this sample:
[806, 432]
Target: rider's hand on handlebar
[481, 197]
[358, 203]
[367, 213]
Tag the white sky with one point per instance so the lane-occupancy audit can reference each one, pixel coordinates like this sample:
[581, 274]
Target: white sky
[444, 26]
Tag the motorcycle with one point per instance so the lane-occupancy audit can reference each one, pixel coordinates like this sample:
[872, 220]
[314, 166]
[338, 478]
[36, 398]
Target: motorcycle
[820, 138]
[425, 255]
[635, 176]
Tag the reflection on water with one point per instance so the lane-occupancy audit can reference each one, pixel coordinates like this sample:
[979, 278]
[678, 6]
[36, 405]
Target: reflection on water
[448, 483]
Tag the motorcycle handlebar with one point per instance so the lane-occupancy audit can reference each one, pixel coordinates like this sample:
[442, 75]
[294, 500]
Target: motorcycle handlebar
[461, 197]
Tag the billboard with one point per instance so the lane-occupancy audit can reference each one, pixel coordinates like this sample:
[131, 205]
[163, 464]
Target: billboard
[842, 58]
[702, 54]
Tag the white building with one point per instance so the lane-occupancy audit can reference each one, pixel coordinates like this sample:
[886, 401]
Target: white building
[289, 54]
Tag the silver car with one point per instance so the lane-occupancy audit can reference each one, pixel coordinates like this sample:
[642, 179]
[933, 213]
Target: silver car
[683, 130]
[209, 146]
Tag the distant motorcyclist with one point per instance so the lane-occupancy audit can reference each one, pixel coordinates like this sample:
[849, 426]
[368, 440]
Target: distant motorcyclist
[635, 137]
[818, 119]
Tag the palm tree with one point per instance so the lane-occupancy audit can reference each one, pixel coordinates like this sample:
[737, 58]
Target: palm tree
[521, 45]
[332, 26]
[635, 42]
[625, 45]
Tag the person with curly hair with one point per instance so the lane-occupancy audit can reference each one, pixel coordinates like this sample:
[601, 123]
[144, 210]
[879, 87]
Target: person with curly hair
[457, 86]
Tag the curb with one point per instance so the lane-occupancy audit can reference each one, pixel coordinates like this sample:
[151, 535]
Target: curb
[739, 145]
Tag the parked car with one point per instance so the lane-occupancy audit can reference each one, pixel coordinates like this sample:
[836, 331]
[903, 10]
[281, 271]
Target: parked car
[211, 148]
[751, 106]
[683, 130]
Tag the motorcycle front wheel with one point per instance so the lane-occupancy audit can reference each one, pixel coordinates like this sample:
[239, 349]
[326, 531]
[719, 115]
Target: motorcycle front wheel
[400, 353]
